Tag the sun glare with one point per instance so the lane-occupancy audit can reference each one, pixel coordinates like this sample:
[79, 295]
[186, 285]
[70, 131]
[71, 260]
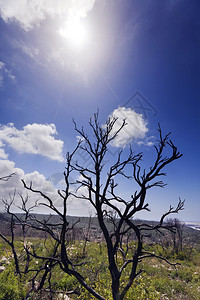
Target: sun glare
[75, 32]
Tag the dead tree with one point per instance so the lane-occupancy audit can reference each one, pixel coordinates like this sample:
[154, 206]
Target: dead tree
[102, 194]
[104, 198]
[179, 240]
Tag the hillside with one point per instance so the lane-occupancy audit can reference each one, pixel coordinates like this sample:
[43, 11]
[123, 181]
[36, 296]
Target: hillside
[82, 223]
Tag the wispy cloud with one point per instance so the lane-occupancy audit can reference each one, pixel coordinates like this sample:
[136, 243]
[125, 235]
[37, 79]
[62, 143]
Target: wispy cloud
[149, 142]
[33, 139]
[30, 13]
[30, 51]
[136, 126]
[5, 72]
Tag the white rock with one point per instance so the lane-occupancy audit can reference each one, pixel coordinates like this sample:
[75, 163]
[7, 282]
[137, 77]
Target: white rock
[63, 297]
[2, 268]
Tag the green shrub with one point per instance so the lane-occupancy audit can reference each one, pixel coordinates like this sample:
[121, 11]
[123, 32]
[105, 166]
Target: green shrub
[142, 289]
[10, 288]
[67, 283]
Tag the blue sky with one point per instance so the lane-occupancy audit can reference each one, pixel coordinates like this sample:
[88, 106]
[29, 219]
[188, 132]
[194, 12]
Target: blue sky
[142, 56]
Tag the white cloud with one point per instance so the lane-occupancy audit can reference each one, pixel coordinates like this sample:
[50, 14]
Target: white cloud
[148, 141]
[30, 13]
[79, 138]
[39, 182]
[4, 71]
[8, 187]
[33, 139]
[136, 127]
[77, 206]
[3, 154]
[150, 144]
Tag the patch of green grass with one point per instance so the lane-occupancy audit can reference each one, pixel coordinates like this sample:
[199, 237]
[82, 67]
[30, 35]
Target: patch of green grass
[158, 280]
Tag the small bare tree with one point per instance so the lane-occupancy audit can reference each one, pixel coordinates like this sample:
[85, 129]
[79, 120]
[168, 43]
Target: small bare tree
[175, 239]
[101, 193]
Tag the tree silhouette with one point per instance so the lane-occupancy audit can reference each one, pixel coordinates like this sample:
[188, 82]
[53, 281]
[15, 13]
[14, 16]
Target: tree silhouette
[99, 186]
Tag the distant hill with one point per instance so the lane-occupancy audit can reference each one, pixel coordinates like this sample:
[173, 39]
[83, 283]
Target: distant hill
[83, 222]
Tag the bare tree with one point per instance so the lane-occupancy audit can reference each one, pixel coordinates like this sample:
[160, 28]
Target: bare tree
[180, 241]
[102, 194]
[176, 236]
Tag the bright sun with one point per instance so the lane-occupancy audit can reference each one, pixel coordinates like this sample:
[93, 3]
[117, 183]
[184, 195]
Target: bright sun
[76, 33]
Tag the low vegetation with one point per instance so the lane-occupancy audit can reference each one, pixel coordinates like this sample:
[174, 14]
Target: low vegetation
[158, 279]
